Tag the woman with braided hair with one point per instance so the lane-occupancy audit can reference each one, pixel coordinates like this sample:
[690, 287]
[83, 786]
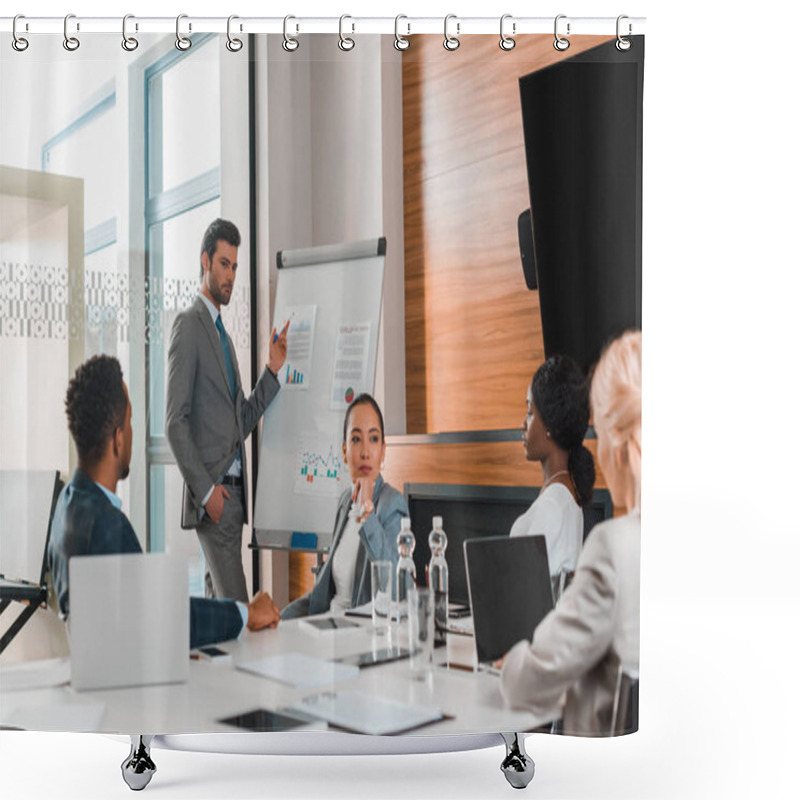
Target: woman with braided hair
[552, 433]
[572, 666]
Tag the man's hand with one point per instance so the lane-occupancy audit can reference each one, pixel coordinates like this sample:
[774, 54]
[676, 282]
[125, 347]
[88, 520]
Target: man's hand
[277, 348]
[262, 613]
[216, 503]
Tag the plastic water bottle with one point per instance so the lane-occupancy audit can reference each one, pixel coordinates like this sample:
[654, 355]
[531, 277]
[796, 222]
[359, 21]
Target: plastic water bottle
[438, 579]
[406, 571]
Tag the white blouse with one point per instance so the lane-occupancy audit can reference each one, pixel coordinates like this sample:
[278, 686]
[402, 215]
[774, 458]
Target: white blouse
[556, 516]
[343, 567]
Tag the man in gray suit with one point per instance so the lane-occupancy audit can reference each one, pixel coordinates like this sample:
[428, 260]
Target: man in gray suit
[209, 417]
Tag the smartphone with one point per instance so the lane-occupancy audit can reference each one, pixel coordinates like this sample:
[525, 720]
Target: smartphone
[325, 624]
[215, 654]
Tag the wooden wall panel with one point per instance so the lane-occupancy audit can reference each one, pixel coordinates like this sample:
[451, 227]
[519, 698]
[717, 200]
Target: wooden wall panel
[477, 464]
[473, 331]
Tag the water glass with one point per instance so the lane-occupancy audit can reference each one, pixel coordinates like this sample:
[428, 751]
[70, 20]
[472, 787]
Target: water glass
[420, 632]
[381, 595]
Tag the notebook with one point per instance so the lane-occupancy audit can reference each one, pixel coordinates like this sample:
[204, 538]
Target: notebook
[362, 713]
[129, 620]
[509, 590]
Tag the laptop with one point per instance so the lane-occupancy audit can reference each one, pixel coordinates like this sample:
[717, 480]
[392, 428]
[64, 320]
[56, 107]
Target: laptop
[128, 620]
[509, 590]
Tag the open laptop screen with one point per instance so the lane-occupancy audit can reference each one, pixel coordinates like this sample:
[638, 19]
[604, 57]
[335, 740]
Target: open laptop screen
[510, 591]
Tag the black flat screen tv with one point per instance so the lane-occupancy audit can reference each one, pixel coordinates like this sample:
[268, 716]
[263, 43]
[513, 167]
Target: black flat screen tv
[582, 123]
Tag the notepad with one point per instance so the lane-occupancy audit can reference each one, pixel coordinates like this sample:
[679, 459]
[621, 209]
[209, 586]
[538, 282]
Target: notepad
[61, 713]
[299, 670]
[365, 713]
[36, 674]
[364, 610]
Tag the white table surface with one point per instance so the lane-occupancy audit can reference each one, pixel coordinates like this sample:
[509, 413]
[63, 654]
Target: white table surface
[215, 691]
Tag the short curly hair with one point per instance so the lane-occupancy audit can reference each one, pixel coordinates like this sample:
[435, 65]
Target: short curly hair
[96, 404]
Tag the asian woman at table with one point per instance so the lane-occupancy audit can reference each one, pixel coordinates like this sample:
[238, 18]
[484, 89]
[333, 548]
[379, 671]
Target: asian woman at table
[367, 519]
[552, 433]
[577, 650]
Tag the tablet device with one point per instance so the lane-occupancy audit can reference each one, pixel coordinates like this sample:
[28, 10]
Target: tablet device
[261, 720]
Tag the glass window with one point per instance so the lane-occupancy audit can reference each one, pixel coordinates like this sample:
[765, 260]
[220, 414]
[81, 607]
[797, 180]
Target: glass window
[187, 103]
[92, 152]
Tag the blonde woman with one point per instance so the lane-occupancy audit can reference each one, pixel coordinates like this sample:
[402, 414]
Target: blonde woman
[571, 666]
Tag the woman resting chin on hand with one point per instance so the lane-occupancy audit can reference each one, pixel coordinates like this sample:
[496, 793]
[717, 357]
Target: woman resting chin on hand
[367, 519]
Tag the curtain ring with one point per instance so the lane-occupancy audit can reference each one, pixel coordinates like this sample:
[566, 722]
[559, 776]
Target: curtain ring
[233, 45]
[560, 43]
[451, 42]
[506, 42]
[70, 42]
[623, 44]
[345, 42]
[290, 43]
[400, 42]
[19, 43]
[129, 43]
[181, 42]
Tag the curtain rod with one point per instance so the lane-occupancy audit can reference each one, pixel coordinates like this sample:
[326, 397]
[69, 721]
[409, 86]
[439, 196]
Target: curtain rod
[406, 26]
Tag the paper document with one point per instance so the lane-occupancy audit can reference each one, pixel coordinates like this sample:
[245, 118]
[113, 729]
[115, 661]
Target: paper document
[296, 370]
[366, 713]
[300, 671]
[350, 364]
[319, 468]
[36, 674]
[52, 710]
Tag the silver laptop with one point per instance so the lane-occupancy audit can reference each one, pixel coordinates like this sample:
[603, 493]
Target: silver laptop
[509, 591]
[128, 620]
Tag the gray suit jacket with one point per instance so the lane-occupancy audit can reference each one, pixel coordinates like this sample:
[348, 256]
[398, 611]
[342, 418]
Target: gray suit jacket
[378, 542]
[206, 426]
[579, 647]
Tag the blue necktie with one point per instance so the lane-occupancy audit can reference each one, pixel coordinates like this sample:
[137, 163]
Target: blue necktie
[226, 351]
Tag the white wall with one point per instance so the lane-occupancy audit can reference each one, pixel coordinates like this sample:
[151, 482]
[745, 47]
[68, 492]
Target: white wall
[330, 170]
[333, 130]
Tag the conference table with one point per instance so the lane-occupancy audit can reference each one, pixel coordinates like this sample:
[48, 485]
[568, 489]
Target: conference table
[469, 700]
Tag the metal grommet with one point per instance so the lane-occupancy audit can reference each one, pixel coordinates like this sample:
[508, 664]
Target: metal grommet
[506, 42]
[400, 42]
[345, 42]
[290, 43]
[623, 44]
[560, 42]
[70, 42]
[19, 43]
[129, 43]
[451, 42]
[181, 42]
[234, 45]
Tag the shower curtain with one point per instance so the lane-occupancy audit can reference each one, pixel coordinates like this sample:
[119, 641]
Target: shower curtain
[506, 183]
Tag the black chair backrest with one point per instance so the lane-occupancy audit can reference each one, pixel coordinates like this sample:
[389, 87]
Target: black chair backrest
[625, 717]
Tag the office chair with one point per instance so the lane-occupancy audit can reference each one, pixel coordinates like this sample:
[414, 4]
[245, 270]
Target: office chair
[625, 715]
